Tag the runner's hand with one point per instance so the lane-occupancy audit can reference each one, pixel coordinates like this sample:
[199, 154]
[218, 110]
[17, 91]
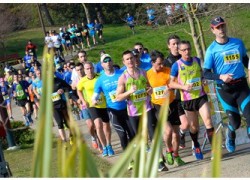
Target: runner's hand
[226, 77]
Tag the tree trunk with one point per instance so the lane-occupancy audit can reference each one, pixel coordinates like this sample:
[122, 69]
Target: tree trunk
[194, 34]
[201, 34]
[86, 12]
[47, 14]
[99, 13]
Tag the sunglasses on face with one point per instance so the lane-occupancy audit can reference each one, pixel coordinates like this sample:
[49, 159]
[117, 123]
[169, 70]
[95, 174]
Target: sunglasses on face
[106, 60]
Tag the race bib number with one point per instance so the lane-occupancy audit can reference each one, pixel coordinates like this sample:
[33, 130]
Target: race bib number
[196, 83]
[159, 92]
[20, 93]
[231, 57]
[29, 61]
[112, 96]
[139, 95]
[55, 97]
[100, 100]
[6, 97]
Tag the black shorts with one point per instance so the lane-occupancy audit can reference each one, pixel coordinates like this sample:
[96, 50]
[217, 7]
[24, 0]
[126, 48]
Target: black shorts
[180, 108]
[99, 32]
[74, 40]
[59, 118]
[195, 104]
[22, 102]
[99, 113]
[173, 114]
[79, 39]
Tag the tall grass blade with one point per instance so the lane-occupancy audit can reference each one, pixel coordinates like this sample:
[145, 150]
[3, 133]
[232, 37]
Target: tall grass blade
[216, 149]
[156, 146]
[43, 143]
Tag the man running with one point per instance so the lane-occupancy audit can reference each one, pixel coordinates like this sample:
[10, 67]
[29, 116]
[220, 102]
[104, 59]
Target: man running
[186, 75]
[225, 60]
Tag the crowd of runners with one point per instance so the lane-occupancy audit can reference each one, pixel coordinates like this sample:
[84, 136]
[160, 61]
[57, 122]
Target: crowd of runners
[108, 95]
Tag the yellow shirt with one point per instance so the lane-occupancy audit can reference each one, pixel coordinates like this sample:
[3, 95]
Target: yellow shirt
[158, 81]
[87, 87]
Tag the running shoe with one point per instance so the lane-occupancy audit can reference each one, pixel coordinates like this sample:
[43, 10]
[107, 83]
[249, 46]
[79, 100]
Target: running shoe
[110, 151]
[169, 158]
[230, 143]
[94, 144]
[178, 161]
[182, 141]
[27, 123]
[162, 167]
[105, 152]
[131, 165]
[11, 118]
[198, 153]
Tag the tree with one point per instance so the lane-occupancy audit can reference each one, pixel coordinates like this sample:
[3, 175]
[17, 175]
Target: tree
[86, 12]
[47, 13]
[99, 14]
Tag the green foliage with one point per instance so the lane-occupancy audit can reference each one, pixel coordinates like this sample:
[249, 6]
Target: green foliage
[22, 134]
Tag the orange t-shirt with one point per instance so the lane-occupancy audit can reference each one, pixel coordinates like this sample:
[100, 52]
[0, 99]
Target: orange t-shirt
[158, 81]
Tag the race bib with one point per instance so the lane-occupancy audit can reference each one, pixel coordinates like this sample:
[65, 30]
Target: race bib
[139, 95]
[78, 34]
[57, 45]
[39, 90]
[58, 66]
[231, 57]
[68, 41]
[159, 92]
[29, 61]
[19, 93]
[196, 83]
[112, 96]
[100, 100]
[55, 97]
[6, 97]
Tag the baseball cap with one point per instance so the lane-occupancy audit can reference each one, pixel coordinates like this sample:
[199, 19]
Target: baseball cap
[135, 52]
[217, 21]
[105, 56]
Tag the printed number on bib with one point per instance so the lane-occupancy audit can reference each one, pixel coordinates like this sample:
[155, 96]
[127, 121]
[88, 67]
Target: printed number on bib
[20, 93]
[139, 95]
[196, 83]
[231, 57]
[159, 92]
[55, 97]
[6, 97]
[112, 96]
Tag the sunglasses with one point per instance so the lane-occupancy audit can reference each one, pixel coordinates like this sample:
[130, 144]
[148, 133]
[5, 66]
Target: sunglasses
[107, 60]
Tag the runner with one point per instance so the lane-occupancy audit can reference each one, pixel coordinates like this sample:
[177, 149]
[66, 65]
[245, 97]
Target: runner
[99, 30]
[6, 97]
[186, 75]
[159, 78]
[131, 23]
[92, 32]
[20, 90]
[145, 58]
[172, 44]
[98, 112]
[226, 57]
[107, 84]
[31, 49]
[133, 87]
[85, 33]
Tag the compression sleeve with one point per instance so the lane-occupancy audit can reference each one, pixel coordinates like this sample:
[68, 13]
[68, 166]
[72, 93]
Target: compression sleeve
[207, 74]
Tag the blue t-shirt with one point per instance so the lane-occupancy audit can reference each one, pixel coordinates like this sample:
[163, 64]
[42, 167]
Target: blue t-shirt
[91, 27]
[226, 58]
[67, 77]
[174, 68]
[72, 31]
[98, 67]
[58, 75]
[150, 13]
[98, 26]
[108, 84]
[145, 62]
[4, 88]
[37, 84]
[130, 20]
[27, 60]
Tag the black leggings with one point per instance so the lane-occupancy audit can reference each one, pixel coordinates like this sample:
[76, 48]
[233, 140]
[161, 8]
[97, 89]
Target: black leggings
[119, 120]
[152, 122]
[232, 98]
[60, 118]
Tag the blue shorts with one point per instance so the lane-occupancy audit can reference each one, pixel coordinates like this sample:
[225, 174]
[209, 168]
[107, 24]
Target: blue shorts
[85, 114]
[6, 102]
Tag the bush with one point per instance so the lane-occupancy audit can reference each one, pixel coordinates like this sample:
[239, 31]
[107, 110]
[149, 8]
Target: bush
[23, 135]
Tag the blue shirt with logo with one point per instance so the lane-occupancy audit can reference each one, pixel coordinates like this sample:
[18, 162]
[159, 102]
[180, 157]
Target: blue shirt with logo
[108, 84]
[226, 58]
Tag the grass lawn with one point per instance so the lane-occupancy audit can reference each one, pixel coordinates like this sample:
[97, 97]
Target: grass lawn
[119, 37]
[20, 162]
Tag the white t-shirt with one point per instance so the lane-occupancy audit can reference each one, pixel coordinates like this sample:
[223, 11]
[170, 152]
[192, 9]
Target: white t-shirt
[49, 42]
[56, 40]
